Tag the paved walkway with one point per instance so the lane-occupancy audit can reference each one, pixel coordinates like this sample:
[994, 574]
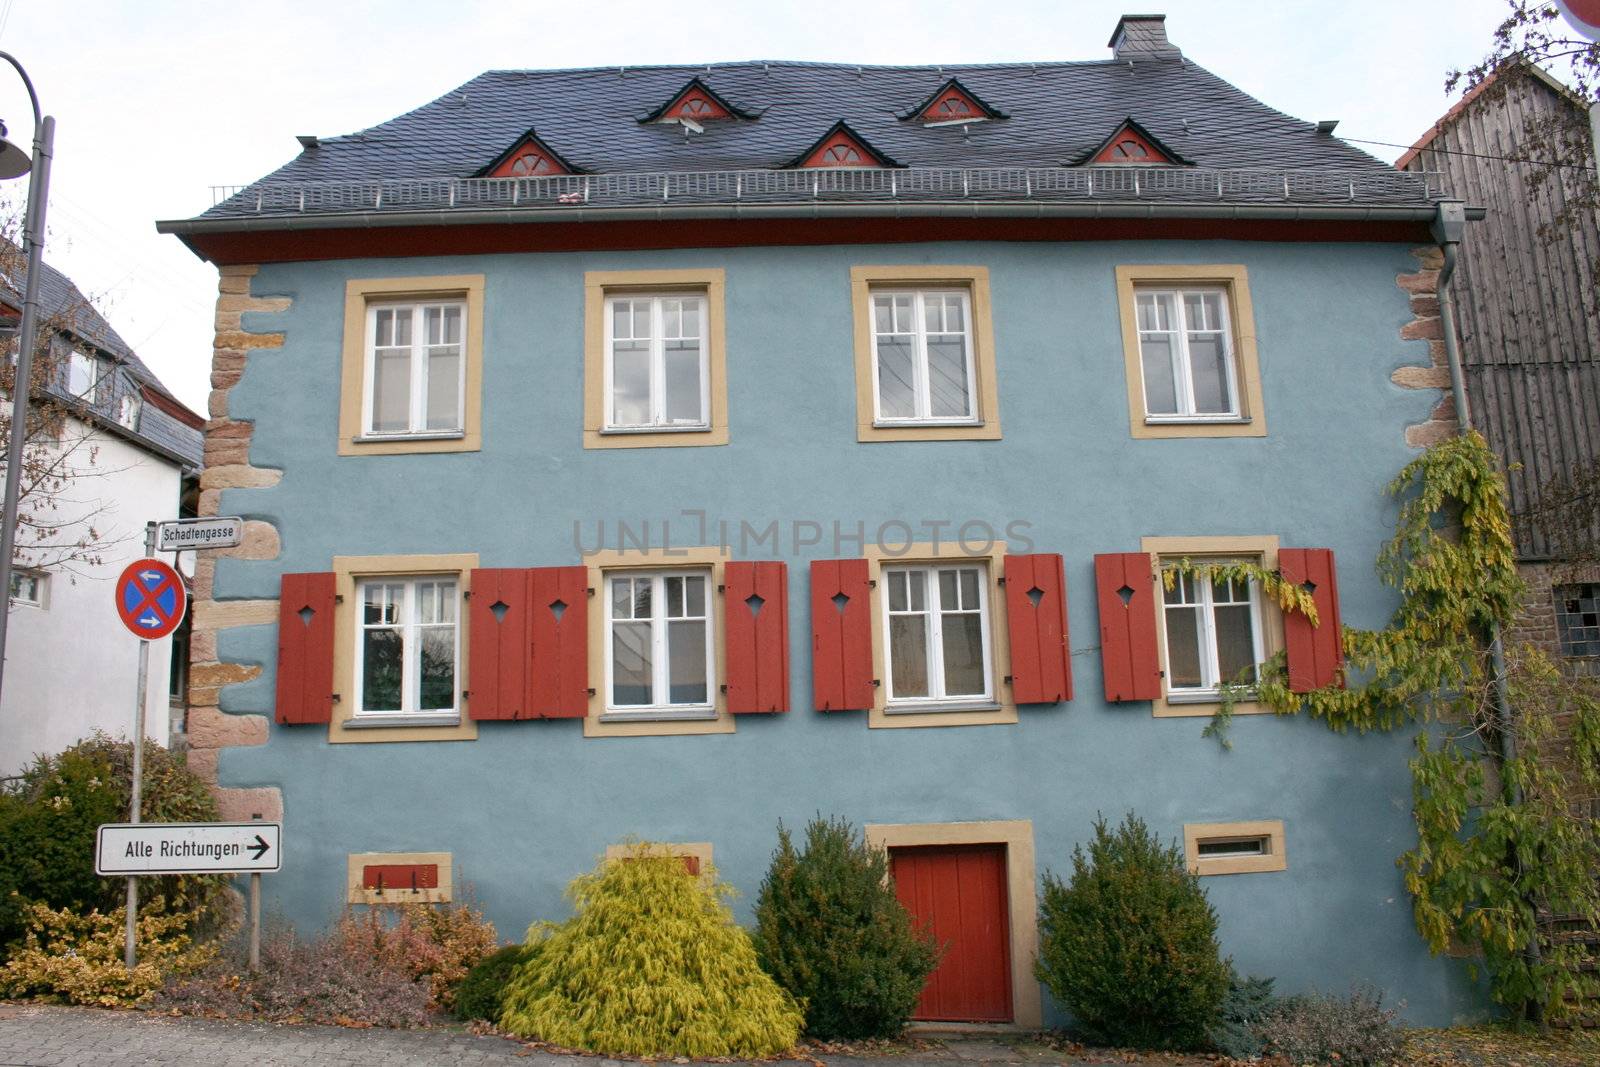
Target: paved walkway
[44, 1036]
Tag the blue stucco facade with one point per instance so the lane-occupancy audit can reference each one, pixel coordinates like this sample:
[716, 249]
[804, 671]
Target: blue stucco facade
[527, 805]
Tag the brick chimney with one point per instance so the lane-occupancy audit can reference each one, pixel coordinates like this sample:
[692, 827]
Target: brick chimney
[1142, 37]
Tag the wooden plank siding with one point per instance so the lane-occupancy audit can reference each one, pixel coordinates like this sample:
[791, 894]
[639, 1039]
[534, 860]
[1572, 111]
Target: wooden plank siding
[1528, 310]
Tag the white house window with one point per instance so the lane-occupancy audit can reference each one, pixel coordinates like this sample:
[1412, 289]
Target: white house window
[658, 643]
[656, 368]
[408, 647]
[415, 368]
[922, 357]
[82, 373]
[1186, 350]
[937, 623]
[128, 411]
[28, 588]
[1213, 634]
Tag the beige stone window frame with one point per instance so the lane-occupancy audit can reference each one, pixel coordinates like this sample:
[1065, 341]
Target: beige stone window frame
[864, 281]
[597, 286]
[1234, 280]
[1016, 835]
[597, 723]
[347, 572]
[700, 851]
[356, 893]
[1262, 547]
[359, 295]
[1004, 709]
[1275, 858]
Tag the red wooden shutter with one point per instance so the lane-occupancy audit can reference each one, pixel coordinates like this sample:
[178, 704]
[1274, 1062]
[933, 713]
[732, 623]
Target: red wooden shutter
[841, 635]
[756, 635]
[305, 648]
[559, 627]
[1315, 652]
[1126, 589]
[1036, 615]
[528, 656]
[499, 645]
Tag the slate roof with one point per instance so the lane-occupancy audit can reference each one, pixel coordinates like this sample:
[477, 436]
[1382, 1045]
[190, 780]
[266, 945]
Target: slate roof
[60, 299]
[1057, 113]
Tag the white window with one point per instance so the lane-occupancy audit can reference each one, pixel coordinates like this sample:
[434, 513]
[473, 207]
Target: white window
[415, 368]
[407, 647]
[1186, 351]
[936, 620]
[656, 372]
[29, 588]
[658, 643]
[82, 373]
[1213, 634]
[922, 357]
[128, 411]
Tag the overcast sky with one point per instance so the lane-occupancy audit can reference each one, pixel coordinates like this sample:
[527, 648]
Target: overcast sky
[156, 100]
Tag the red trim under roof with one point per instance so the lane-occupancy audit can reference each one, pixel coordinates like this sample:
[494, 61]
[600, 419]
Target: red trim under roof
[172, 407]
[1531, 69]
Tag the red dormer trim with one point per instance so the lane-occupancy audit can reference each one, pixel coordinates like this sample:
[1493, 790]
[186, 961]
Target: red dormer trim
[953, 102]
[696, 102]
[528, 157]
[841, 147]
[1132, 146]
[172, 407]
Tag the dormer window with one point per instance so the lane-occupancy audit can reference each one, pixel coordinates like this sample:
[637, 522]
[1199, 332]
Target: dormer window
[1132, 146]
[952, 102]
[695, 103]
[528, 157]
[841, 147]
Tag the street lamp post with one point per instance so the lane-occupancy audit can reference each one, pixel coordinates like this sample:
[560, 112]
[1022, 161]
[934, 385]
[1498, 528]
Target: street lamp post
[14, 163]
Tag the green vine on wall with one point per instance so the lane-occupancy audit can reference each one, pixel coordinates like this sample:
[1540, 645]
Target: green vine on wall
[1505, 863]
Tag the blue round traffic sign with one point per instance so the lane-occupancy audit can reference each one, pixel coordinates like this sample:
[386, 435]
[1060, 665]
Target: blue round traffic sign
[150, 599]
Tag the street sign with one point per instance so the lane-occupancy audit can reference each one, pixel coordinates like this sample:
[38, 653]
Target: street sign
[150, 599]
[188, 848]
[179, 535]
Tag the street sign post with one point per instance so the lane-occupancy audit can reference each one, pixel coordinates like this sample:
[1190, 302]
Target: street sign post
[188, 848]
[150, 599]
[180, 535]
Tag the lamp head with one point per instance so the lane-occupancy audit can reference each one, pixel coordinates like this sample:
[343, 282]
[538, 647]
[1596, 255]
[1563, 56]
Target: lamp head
[14, 161]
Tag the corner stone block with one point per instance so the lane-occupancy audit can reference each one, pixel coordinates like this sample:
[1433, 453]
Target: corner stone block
[210, 728]
[241, 805]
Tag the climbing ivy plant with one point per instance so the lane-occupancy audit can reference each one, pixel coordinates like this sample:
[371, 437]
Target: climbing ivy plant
[1505, 862]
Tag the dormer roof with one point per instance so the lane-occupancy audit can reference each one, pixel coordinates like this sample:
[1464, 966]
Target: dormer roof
[528, 157]
[1130, 144]
[952, 102]
[841, 147]
[697, 102]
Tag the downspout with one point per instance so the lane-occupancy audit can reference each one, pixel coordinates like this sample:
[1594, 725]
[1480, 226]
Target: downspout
[1449, 226]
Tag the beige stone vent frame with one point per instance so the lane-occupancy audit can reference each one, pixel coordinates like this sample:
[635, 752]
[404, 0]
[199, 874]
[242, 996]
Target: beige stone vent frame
[357, 893]
[1274, 856]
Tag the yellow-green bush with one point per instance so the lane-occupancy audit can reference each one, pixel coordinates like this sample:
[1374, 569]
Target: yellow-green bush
[78, 958]
[650, 964]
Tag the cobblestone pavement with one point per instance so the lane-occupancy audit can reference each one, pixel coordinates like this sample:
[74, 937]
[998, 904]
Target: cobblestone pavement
[43, 1036]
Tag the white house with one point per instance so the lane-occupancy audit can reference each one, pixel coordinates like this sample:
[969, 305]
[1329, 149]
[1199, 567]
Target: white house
[125, 450]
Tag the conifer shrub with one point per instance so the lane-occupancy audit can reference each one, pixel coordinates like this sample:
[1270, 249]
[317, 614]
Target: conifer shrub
[1129, 944]
[78, 958]
[480, 995]
[650, 964]
[831, 931]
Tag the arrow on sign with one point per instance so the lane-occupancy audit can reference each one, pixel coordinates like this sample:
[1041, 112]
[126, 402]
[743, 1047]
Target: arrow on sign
[259, 848]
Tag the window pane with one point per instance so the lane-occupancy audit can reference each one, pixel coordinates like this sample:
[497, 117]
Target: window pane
[402, 326]
[686, 662]
[382, 656]
[683, 382]
[948, 599]
[1160, 390]
[438, 669]
[621, 320]
[444, 381]
[896, 394]
[383, 320]
[1182, 591]
[695, 597]
[1208, 358]
[630, 663]
[948, 393]
[897, 590]
[621, 598]
[1183, 648]
[1236, 650]
[908, 655]
[969, 588]
[630, 383]
[918, 581]
[963, 654]
[391, 392]
[882, 314]
[452, 326]
[1153, 312]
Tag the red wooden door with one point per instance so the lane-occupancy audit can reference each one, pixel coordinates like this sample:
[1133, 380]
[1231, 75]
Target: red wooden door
[959, 893]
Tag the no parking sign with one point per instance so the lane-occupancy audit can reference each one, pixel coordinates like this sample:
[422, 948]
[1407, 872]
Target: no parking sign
[150, 599]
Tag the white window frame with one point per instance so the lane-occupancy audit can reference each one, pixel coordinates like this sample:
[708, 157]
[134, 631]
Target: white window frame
[658, 422]
[660, 680]
[921, 395]
[129, 408]
[1210, 670]
[76, 359]
[41, 588]
[417, 428]
[411, 654]
[936, 698]
[1182, 362]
